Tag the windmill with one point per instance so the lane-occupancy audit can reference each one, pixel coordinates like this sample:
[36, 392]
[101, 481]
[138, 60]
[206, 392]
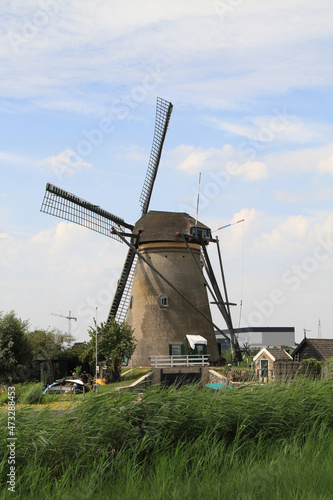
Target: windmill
[162, 290]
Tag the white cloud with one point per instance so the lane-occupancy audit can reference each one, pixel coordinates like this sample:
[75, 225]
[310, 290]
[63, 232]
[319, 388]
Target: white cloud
[249, 215]
[252, 170]
[316, 192]
[295, 235]
[311, 159]
[4, 235]
[239, 65]
[65, 268]
[67, 164]
[273, 46]
[279, 127]
[13, 158]
[134, 153]
[326, 165]
[191, 160]
[232, 236]
[195, 160]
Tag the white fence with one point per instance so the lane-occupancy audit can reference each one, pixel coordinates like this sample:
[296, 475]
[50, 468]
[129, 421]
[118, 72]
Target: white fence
[179, 360]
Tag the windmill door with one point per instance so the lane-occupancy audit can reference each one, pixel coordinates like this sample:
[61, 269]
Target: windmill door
[200, 349]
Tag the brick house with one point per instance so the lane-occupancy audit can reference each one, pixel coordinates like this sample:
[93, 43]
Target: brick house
[274, 362]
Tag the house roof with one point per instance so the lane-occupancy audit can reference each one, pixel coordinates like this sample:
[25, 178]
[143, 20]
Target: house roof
[279, 354]
[275, 353]
[264, 329]
[324, 347]
[163, 226]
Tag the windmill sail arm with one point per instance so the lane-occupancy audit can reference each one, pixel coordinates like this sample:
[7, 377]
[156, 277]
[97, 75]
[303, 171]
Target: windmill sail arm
[163, 114]
[121, 298]
[67, 206]
[198, 266]
[221, 303]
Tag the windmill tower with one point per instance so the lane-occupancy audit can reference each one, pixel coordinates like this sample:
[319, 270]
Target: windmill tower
[161, 317]
[167, 253]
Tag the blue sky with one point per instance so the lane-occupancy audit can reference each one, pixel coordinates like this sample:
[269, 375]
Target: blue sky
[251, 85]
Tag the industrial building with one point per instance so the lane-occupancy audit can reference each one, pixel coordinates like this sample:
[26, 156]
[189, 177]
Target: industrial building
[259, 337]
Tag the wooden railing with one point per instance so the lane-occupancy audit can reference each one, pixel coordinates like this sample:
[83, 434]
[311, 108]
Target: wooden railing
[179, 360]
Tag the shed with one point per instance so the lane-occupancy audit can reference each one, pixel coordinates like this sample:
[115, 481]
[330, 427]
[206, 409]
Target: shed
[319, 349]
[272, 362]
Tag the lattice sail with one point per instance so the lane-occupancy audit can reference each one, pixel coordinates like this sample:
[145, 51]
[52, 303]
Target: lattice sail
[67, 206]
[122, 296]
[163, 113]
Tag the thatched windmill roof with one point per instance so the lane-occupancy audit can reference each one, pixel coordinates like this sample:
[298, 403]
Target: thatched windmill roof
[163, 226]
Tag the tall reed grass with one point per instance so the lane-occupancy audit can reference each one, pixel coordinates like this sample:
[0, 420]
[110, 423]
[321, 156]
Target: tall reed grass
[180, 443]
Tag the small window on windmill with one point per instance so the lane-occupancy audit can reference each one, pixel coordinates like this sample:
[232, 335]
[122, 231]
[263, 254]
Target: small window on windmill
[176, 349]
[164, 302]
[201, 232]
[131, 302]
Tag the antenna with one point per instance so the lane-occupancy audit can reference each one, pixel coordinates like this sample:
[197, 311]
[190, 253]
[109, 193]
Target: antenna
[319, 331]
[231, 224]
[69, 317]
[304, 331]
[196, 218]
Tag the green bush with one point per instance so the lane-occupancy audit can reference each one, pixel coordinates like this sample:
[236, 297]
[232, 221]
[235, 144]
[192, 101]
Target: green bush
[327, 368]
[32, 394]
[310, 368]
[78, 371]
[4, 394]
[51, 398]
[3, 398]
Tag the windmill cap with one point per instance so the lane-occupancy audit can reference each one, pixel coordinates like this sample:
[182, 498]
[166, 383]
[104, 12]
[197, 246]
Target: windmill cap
[164, 226]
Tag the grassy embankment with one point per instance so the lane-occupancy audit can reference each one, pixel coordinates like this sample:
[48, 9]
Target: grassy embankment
[273, 441]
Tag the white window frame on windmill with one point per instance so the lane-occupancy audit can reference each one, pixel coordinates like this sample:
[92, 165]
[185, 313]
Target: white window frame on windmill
[164, 300]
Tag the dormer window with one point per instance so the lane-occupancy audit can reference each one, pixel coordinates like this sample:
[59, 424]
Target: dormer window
[164, 301]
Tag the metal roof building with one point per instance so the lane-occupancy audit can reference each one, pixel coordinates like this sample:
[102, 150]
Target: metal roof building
[259, 337]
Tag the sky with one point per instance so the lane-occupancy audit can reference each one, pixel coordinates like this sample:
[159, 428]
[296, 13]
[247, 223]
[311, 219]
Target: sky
[251, 86]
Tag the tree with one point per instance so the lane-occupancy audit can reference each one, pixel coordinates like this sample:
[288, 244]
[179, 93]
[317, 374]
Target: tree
[14, 351]
[115, 341]
[48, 344]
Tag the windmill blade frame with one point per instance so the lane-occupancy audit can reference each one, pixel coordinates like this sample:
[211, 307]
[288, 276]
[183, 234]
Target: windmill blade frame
[223, 306]
[163, 114]
[67, 206]
[122, 294]
[120, 303]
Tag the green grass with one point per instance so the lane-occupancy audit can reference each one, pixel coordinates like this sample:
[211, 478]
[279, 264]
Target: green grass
[189, 443]
[135, 373]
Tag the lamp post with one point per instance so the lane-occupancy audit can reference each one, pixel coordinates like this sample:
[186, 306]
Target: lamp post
[96, 345]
